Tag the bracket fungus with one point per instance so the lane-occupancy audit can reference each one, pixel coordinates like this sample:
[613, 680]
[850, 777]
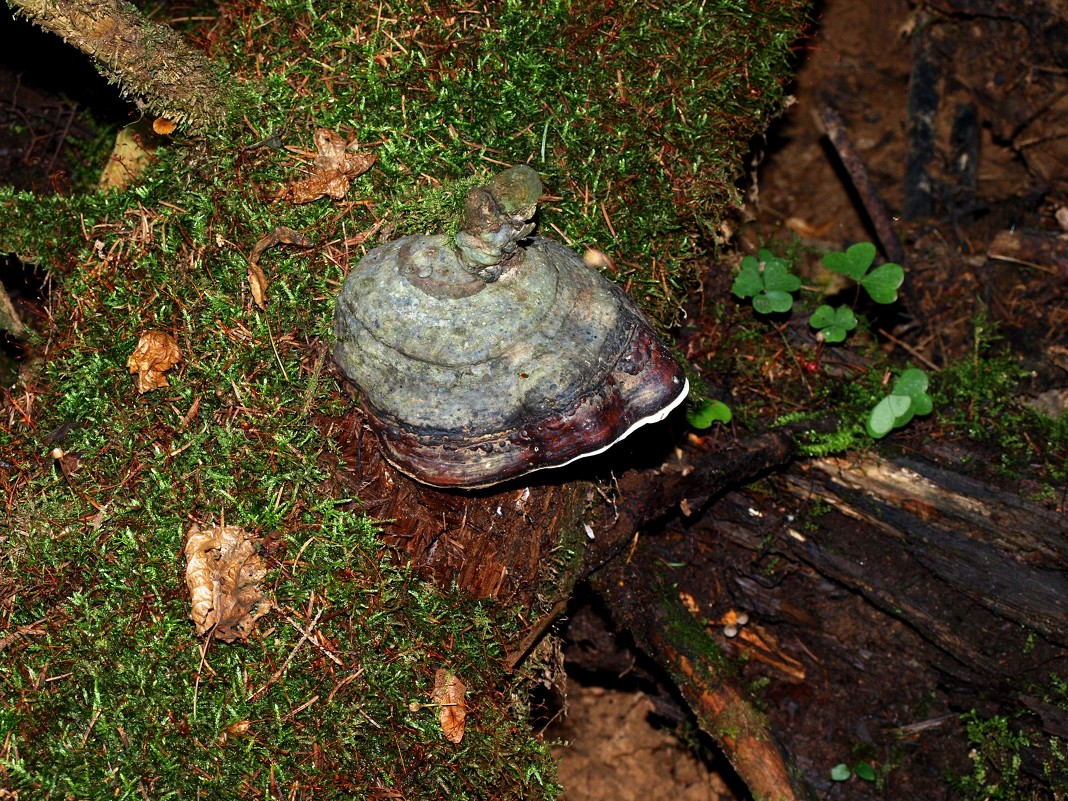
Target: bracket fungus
[497, 353]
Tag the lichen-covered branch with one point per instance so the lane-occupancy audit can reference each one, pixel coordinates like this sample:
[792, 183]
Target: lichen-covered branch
[150, 62]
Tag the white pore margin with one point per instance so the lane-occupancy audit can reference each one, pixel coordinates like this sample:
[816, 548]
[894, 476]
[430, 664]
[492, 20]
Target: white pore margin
[653, 418]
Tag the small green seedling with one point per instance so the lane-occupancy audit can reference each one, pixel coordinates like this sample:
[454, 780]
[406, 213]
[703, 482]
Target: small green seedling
[831, 323]
[768, 281]
[908, 398]
[881, 283]
[862, 770]
[702, 415]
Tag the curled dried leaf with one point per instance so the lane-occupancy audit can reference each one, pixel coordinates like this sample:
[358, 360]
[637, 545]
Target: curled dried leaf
[281, 235]
[449, 694]
[223, 571]
[156, 352]
[336, 164]
[257, 279]
[257, 282]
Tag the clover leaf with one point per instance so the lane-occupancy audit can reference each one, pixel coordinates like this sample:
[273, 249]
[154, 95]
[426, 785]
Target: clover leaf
[749, 280]
[702, 415]
[833, 324]
[840, 772]
[908, 398]
[854, 262]
[768, 281]
[881, 284]
[862, 770]
[913, 383]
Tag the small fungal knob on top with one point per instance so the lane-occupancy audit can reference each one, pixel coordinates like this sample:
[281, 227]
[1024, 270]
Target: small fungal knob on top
[496, 218]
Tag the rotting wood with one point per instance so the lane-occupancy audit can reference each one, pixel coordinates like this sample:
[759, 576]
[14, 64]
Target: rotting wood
[1041, 249]
[667, 632]
[685, 483]
[922, 109]
[1003, 552]
[506, 542]
[977, 571]
[964, 144]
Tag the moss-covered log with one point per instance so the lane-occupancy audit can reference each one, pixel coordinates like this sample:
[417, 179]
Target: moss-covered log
[638, 119]
[151, 63]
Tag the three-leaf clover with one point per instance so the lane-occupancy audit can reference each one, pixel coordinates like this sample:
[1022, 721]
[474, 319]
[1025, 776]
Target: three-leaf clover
[908, 398]
[833, 323]
[702, 415]
[768, 281]
[881, 283]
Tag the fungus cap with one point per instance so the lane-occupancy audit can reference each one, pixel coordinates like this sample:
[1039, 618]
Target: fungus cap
[495, 354]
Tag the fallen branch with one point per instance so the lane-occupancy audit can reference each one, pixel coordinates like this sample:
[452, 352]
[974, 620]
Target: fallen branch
[884, 226]
[147, 60]
[668, 632]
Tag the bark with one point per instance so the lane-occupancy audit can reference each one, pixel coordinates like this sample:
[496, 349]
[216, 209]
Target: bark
[682, 485]
[917, 529]
[1049, 251]
[518, 542]
[9, 317]
[149, 61]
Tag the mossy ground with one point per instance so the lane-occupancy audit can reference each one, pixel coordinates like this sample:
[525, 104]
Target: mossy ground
[636, 116]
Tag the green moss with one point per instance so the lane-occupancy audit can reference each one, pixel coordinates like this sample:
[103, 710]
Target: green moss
[638, 122]
[106, 693]
[996, 759]
[981, 399]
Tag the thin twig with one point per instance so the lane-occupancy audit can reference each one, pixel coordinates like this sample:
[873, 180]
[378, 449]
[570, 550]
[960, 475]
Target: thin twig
[305, 634]
[911, 350]
[884, 227]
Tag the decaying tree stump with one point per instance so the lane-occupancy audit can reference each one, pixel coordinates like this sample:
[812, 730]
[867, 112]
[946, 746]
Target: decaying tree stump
[898, 532]
[529, 541]
[501, 542]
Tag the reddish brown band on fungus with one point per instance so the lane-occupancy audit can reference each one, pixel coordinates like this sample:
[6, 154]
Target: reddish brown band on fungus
[644, 382]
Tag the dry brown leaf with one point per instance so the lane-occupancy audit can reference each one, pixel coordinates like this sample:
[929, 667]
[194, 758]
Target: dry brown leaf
[334, 168]
[281, 235]
[132, 152]
[257, 279]
[806, 229]
[156, 353]
[257, 282]
[223, 570]
[449, 694]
